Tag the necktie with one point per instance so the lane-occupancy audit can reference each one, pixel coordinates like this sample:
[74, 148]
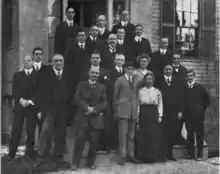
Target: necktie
[168, 81]
[71, 24]
[130, 82]
[58, 75]
[37, 68]
[28, 73]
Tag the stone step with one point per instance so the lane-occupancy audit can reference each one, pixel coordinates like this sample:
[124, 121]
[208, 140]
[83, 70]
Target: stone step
[103, 158]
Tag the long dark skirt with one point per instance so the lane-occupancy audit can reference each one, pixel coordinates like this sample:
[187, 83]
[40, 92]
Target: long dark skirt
[149, 137]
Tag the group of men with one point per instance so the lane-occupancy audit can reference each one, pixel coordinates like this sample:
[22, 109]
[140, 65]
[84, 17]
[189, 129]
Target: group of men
[77, 91]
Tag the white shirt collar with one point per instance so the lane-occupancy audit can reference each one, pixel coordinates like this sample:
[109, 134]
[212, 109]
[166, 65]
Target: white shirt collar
[138, 38]
[119, 69]
[166, 77]
[148, 89]
[120, 42]
[123, 23]
[162, 51]
[127, 77]
[56, 71]
[83, 44]
[37, 64]
[93, 38]
[68, 22]
[101, 30]
[92, 82]
[92, 66]
[29, 71]
[191, 84]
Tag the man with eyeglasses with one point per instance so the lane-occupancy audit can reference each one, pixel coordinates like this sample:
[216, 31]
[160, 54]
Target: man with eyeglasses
[65, 31]
[57, 93]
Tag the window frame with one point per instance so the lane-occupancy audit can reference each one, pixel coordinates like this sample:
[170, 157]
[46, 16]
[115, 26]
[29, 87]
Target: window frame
[201, 28]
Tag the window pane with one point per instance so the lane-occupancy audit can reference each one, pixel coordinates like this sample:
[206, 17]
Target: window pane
[169, 33]
[186, 5]
[194, 19]
[209, 13]
[179, 18]
[168, 11]
[194, 5]
[186, 19]
[208, 43]
[179, 5]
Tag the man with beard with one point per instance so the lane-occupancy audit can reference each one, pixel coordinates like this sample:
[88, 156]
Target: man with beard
[90, 98]
[65, 31]
[108, 51]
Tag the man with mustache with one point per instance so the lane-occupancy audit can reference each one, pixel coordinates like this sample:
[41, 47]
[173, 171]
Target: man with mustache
[90, 98]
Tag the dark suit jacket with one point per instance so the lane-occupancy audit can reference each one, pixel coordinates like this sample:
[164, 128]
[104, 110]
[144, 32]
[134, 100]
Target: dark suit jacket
[126, 50]
[129, 30]
[63, 34]
[158, 61]
[26, 87]
[142, 47]
[92, 45]
[57, 95]
[78, 61]
[173, 97]
[94, 97]
[197, 101]
[107, 57]
[105, 35]
[181, 73]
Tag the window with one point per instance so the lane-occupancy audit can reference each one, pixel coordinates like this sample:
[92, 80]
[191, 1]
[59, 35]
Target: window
[190, 26]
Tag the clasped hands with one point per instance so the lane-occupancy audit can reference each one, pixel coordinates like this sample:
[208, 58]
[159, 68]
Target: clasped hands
[90, 110]
[25, 103]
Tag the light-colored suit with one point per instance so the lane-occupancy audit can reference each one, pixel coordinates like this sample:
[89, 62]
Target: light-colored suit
[125, 108]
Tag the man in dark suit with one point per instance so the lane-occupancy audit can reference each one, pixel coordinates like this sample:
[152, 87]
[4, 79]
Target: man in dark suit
[65, 31]
[24, 91]
[103, 31]
[108, 51]
[196, 105]
[124, 23]
[90, 97]
[123, 46]
[56, 92]
[40, 69]
[111, 123]
[139, 43]
[179, 71]
[173, 105]
[92, 40]
[78, 57]
[160, 58]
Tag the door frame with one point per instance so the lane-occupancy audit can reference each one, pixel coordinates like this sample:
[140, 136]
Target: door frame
[109, 10]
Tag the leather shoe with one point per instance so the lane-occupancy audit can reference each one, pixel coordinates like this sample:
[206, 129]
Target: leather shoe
[93, 166]
[133, 160]
[74, 167]
[122, 161]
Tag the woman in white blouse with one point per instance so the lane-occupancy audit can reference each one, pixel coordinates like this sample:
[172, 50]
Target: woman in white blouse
[143, 61]
[149, 134]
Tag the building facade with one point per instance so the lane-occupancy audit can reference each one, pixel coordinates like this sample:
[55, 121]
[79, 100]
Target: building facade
[192, 27]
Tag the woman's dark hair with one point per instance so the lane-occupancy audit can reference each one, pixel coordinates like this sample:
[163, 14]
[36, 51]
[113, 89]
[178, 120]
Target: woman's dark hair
[142, 82]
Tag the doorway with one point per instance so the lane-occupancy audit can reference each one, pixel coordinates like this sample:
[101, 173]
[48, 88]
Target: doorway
[87, 11]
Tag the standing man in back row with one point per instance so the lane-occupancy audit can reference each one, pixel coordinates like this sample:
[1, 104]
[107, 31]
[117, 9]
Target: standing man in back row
[124, 23]
[65, 30]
